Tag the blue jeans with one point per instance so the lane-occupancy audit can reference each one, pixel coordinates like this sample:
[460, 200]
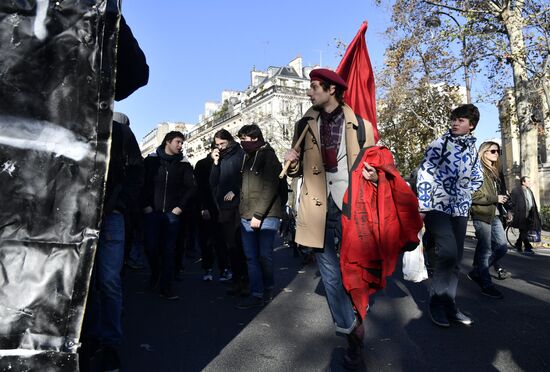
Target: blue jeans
[491, 247]
[338, 300]
[161, 235]
[258, 249]
[105, 309]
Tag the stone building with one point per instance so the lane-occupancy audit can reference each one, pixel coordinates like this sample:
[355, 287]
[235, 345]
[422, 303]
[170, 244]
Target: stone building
[154, 138]
[275, 100]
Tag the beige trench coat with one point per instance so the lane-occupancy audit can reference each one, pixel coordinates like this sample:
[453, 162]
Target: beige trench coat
[312, 211]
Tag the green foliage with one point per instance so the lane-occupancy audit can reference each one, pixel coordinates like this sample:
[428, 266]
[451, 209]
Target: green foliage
[410, 118]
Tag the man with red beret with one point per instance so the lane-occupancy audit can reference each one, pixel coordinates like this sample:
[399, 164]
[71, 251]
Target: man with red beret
[335, 135]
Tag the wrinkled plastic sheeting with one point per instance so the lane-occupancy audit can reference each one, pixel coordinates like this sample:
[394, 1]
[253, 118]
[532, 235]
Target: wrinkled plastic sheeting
[56, 97]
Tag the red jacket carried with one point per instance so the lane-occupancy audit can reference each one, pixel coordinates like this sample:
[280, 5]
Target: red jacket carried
[378, 224]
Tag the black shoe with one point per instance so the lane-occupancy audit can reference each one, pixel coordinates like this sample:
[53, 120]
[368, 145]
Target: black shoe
[437, 312]
[110, 360]
[268, 296]
[474, 277]
[528, 252]
[502, 274]
[169, 295]
[353, 359]
[492, 292]
[455, 315]
[250, 302]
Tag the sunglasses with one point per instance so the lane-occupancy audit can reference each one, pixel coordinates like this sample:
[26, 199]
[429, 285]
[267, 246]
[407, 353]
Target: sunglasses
[494, 151]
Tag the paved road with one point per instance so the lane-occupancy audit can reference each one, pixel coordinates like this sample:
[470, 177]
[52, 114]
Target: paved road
[203, 331]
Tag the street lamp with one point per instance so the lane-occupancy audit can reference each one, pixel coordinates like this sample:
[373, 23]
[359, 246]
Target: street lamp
[433, 21]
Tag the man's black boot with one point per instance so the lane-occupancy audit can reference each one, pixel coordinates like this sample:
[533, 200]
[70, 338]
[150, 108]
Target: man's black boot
[454, 314]
[353, 359]
[437, 311]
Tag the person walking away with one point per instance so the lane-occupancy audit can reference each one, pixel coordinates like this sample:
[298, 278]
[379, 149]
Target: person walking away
[491, 238]
[169, 187]
[448, 176]
[225, 180]
[102, 327]
[525, 214]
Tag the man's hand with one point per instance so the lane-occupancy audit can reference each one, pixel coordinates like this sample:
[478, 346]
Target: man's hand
[255, 223]
[147, 210]
[292, 155]
[229, 196]
[215, 155]
[369, 173]
[205, 214]
[502, 199]
[177, 211]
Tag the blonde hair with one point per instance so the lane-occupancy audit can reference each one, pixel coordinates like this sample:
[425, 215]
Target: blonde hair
[492, 168]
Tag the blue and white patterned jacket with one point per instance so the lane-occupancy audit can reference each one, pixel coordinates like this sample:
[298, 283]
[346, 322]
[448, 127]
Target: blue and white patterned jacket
[449, 176]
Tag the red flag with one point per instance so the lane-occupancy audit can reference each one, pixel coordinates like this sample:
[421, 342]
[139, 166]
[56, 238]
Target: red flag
[355, 68]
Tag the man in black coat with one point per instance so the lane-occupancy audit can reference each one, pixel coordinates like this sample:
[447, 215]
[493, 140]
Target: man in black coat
[169, 187]
[211, 241]
[103, 318]
[525, 214]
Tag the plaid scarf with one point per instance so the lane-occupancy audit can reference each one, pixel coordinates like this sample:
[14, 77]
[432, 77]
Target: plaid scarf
[331, 136]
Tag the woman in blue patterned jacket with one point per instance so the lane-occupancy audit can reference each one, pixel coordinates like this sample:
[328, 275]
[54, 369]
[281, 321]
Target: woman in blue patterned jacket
[448, 176]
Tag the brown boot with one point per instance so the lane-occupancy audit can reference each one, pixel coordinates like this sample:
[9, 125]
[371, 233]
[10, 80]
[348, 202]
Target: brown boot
[353, 359]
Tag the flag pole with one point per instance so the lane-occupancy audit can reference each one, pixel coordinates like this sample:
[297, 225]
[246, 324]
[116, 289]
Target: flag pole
[296, 148]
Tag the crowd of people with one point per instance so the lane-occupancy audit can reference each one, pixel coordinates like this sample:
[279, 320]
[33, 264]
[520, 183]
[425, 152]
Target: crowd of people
[235, 201]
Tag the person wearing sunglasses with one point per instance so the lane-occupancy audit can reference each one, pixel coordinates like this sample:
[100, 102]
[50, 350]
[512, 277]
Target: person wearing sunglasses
[487, 210]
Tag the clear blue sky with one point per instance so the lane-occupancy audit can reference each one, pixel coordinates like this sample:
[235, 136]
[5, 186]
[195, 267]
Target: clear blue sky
[197, 49]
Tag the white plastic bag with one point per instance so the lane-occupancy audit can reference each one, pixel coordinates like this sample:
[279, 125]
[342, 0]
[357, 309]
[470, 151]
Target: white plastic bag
[414, 268]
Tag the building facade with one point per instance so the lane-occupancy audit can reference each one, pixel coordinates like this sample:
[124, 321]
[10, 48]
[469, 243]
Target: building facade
[274, 100]
[154, 138]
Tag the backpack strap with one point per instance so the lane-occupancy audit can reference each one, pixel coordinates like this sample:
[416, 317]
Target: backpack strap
[361, 135]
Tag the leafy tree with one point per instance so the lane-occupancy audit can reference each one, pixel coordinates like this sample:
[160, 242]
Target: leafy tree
[501, 43]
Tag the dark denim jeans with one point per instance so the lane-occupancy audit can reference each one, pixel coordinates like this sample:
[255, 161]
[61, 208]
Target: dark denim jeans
[328, 262]
[448, 235]
[258, 249]
[491, 247]
[105, 306]
[161, 235]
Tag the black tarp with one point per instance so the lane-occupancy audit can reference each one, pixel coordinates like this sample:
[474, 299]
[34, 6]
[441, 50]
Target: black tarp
[56, 99]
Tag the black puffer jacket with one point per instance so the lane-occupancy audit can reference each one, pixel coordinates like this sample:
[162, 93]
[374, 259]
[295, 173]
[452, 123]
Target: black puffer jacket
[260, 185]
[169, 182]
[226, 176]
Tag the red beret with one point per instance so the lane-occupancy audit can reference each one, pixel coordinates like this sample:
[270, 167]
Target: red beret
[323, 74]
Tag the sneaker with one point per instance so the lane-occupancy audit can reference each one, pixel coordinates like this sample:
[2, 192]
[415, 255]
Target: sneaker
[169, 295]
[208, 277]
[250, 302]
[437, 312]
[492, 292]
[226, 276]
[474, 277]
[528, 252]
[502, 274]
